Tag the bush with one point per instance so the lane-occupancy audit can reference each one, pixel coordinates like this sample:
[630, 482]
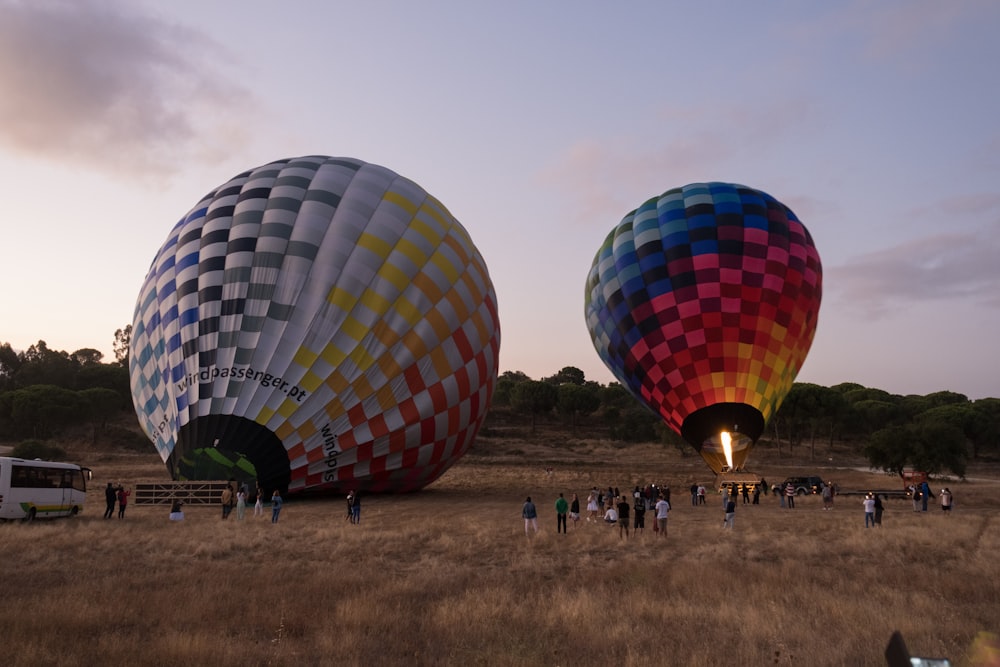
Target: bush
[36, 449]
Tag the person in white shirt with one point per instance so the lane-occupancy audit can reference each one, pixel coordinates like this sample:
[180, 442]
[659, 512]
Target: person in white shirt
[611, 516]
[662, 508]
[869, 503]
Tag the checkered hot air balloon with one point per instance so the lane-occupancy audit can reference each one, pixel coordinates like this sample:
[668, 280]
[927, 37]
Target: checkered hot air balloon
[703, 302]
[316, 323]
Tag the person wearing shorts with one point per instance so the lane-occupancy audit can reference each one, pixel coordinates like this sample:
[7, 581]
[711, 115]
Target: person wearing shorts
[623, 518]
[640, 515]
[946, 499]
[662, 508]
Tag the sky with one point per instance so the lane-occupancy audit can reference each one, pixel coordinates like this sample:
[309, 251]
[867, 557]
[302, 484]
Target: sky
[539, 125]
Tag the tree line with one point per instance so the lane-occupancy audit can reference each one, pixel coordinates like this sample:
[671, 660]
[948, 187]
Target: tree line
[935, 433]
[43, 392]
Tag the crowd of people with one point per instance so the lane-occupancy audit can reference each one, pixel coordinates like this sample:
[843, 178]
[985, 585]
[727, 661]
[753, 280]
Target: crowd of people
[233, 498]
[628, 510]
[610, 506]
[624, 510]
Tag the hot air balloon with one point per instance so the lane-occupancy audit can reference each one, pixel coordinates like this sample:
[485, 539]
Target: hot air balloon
[703, 302]
[315, 324]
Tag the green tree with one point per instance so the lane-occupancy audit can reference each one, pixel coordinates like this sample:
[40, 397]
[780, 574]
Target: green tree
[87, 356]
[568, 375]
[505, 385]
[534, 398]
[634, 423]
[912, 405]
[875, 415]
[575, 401]
[810, 410]
[868, 394]
[101, 405]
[106, 376]
[41, 410]
[123, 339]
[615, 395]
[932, 447]
[939, 398]
[984, 432]
[973, 419]
[10, 363]
[40, 365]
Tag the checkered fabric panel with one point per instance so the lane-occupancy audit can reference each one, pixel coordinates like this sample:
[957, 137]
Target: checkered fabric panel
[709, 293]
[332, 301]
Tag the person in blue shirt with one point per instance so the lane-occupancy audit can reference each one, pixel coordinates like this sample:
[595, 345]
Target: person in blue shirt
[925, 492]
[276, 503]
[530, 515]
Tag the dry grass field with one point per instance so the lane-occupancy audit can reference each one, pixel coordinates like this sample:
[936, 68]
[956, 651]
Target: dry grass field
[447, 576]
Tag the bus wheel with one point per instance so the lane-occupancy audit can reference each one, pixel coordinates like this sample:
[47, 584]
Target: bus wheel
[74, 511]
[31, 515]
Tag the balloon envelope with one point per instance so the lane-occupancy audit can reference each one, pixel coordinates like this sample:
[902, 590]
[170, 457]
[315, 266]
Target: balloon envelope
[315, 323]
[703, 302]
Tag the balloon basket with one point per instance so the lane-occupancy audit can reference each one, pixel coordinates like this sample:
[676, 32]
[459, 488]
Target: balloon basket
[737, 479]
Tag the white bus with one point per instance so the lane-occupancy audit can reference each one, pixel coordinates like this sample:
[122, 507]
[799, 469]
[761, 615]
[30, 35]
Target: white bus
[37, 489]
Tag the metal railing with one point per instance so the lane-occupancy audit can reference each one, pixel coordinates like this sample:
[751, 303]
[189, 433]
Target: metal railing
[189, 493]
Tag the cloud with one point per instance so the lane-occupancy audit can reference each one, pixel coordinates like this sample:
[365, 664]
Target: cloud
[955, 266]
[907, 33]
[608, 176]
[103, 84]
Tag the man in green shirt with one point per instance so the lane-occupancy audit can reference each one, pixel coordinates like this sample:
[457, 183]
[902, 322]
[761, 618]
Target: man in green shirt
[562, 507]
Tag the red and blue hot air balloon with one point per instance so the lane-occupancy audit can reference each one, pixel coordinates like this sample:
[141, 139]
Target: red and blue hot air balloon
[703, 302]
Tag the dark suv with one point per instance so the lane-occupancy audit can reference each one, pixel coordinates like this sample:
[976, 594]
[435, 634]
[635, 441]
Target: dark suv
[805, 485]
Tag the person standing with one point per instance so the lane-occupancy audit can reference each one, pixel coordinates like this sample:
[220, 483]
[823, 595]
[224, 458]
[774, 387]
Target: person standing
[623, 518]
[662, 509]
[639, 523]
[827, 494]
[276, 503]
[694, 494]
[879, 508]
[756, 494]
[530, 515]
[227, 501]
[110, 498]
[356, 509]
[258, 505]
[869, 503]
[122, 496]
[562, 508]
[946, 500]
[593, 506]
[790, 496]
[746, 494]
[925, 494]
[241, 504]
[574, 510]
[729, 519]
